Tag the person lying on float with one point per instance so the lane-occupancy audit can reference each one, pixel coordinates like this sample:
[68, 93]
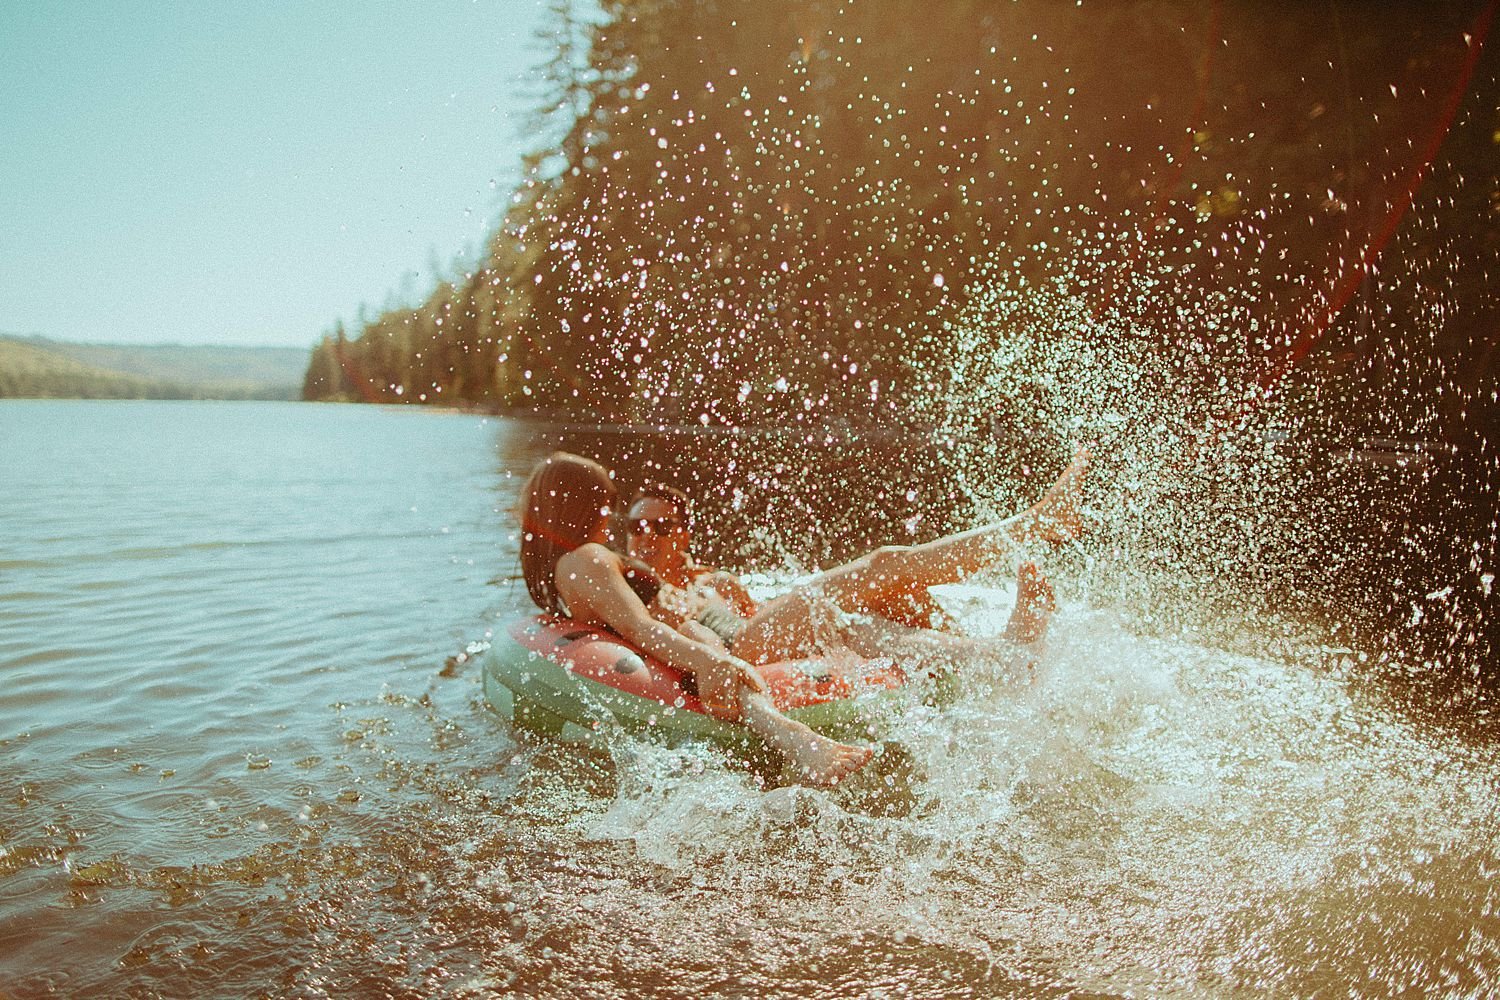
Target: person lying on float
[570, 570]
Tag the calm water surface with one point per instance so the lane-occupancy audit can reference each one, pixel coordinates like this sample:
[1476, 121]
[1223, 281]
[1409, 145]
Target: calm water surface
[236, 761]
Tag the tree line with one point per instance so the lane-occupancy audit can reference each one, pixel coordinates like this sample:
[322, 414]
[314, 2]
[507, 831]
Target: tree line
[757, 213]
[35, 367]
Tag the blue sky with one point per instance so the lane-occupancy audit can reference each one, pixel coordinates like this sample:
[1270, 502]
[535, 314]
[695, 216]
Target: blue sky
[249, 173]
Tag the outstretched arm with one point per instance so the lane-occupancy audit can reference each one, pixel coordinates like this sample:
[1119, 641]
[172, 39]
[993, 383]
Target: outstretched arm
[595, 589]
[594, 586]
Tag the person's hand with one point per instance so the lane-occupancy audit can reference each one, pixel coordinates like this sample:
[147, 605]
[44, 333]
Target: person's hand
[719, 687]
[751, 678]
[733, 592]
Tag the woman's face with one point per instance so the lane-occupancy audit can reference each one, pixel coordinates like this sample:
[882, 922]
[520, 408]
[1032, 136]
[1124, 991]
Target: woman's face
[656, 531]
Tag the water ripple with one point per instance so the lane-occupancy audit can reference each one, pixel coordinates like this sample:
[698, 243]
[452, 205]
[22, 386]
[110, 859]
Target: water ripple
[232, 761]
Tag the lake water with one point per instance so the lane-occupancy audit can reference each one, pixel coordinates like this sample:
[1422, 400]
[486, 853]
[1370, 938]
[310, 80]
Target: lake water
[236, 760]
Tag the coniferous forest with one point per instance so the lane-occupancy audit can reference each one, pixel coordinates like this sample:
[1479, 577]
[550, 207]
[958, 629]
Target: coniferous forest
[814, 211]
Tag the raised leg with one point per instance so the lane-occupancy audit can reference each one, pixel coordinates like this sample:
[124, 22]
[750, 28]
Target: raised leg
[889, 580]
[1035, 603]
[887, 573]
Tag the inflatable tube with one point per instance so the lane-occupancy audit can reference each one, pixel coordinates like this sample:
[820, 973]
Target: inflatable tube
[566, 680]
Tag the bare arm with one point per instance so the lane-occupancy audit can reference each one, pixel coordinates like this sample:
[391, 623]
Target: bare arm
[729, 587]
[592, 584]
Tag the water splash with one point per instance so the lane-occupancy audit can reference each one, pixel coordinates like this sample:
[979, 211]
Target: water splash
[1149, 815]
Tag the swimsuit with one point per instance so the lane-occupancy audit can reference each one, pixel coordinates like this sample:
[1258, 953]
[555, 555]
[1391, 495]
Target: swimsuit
[642, 579]
[715, 617]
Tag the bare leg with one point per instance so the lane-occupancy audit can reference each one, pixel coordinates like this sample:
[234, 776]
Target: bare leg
[881, 583]
[1053, 518]
[816, 759]
[1035, 603]
[819, 760]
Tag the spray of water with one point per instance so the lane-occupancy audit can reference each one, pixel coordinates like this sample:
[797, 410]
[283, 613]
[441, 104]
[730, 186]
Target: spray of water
[1196, 790]
[1141, 815]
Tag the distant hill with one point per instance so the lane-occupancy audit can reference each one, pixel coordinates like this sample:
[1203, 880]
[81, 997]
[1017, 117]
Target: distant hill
[38, 367]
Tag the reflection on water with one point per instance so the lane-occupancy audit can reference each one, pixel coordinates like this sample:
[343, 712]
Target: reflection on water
[232, 760]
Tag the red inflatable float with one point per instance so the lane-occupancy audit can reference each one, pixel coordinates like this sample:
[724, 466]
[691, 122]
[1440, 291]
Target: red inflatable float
[549, 673]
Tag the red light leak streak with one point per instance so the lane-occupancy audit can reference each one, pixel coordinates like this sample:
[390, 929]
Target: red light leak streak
[1344, 291]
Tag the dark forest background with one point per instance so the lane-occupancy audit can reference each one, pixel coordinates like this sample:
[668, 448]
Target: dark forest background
[751, 214]
[1249, 248]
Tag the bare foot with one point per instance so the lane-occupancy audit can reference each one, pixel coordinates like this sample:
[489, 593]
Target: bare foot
[819, 760]
[1035, 603]
[1056, 517]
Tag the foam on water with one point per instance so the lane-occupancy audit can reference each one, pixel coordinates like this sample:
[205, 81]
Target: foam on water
[1149, 814]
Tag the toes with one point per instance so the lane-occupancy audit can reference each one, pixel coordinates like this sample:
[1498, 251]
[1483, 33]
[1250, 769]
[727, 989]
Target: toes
[842, 762]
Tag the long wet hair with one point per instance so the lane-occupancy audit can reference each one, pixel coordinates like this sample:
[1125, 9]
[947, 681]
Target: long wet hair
[562, 503]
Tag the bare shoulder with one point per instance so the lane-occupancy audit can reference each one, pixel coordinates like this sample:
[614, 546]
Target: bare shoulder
[589, 558]
[586, 579]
